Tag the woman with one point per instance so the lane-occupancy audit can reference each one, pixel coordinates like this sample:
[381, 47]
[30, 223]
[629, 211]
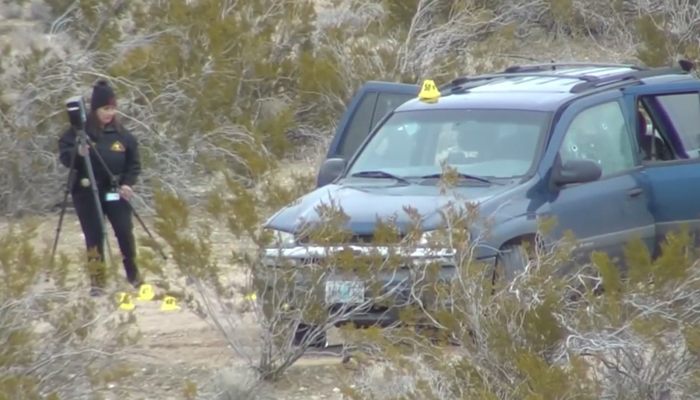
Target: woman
[114, 154]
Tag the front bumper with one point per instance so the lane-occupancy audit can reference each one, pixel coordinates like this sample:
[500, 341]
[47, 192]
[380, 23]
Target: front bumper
[300, 255]
[393, 288]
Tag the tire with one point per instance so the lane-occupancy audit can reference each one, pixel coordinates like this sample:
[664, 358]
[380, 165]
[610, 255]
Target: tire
[512, 260]
[311, 336]
[437, 336]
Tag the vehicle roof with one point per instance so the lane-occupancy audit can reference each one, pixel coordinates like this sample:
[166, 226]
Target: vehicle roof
[532, 92]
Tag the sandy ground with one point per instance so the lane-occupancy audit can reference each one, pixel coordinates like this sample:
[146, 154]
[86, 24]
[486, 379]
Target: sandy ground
[179, 345]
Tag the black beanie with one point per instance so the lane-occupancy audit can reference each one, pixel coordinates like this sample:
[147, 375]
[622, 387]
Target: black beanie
[102, 95]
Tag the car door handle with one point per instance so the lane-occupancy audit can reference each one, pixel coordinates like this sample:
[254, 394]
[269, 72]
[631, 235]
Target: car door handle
[635, 192]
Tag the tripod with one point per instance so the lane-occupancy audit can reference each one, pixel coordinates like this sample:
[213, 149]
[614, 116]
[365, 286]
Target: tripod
[81, 140]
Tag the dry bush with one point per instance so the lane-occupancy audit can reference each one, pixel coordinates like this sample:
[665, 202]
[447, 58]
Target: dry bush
[38, 10]
[544, 333]
[219, 84]
[240, 383]
[219, 91]
[548, 329]
[11, 10]
[55, 342]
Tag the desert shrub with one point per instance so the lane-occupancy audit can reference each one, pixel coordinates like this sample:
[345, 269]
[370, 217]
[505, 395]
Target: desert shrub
[592, 331]
[541, 332]
[11, 10]
[204, 95]
[219, 92]
[55, 343]
[533, 338]
[212, 85]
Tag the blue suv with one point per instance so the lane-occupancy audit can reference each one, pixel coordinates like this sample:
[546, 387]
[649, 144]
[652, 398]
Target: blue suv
[612, 151]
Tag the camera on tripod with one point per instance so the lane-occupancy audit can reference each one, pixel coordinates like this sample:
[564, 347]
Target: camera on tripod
[75, 106]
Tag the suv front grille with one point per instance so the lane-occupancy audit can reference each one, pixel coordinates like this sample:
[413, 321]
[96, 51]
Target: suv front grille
[354, 239]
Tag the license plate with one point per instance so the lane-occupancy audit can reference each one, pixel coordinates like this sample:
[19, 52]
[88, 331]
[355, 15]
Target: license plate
[346, 292]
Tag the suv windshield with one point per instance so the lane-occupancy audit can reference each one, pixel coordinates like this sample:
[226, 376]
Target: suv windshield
[486, 143]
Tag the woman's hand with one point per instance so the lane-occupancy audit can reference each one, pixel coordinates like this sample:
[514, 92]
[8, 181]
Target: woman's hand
[84, 150]
[126, 192]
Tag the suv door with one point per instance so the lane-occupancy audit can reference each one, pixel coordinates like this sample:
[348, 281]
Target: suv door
[604, 214]
[370, 104]
[674, 183]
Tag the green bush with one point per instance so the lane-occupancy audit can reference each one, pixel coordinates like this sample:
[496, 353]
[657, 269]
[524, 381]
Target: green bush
[219, 92]
[212, 85]
[54, 343]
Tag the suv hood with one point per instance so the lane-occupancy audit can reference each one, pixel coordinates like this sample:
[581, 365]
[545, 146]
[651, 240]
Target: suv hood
[366, 203]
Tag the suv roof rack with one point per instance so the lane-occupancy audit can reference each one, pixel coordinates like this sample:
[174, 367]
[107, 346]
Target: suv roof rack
[553, 66]
[633, 76]
[458, 84]
[588, 81]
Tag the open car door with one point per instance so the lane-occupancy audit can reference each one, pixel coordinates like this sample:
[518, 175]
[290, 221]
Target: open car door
[370, 104]
[674, 109]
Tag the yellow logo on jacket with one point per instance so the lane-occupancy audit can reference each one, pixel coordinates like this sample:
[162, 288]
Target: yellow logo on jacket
[117, 146]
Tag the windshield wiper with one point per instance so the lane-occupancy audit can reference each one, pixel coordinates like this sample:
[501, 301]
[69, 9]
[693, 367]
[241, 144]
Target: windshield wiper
[379, 174]
[461, 175]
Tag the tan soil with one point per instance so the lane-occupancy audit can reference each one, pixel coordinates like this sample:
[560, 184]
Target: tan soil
[180, 341]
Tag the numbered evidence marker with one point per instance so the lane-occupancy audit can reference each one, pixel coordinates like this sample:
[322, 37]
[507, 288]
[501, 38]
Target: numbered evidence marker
[169, 304]
[146, 293]
[125, 302]
[429, 92]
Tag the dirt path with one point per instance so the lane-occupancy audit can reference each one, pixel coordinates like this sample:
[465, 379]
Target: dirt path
[167, 336]
[179, 343]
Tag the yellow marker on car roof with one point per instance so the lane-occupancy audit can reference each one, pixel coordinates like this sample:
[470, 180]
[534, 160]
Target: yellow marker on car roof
[429, 92]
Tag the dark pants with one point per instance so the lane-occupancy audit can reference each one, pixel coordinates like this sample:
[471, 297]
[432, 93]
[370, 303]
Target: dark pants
[119, 214]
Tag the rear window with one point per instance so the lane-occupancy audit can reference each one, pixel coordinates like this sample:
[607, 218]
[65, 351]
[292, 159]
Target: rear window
[684, 111]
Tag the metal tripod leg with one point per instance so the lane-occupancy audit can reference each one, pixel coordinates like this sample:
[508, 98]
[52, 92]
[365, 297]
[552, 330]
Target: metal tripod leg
[148, 232]
[82, 139]
[64, 205]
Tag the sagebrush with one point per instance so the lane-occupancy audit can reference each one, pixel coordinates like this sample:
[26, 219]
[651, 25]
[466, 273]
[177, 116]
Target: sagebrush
[219, 92]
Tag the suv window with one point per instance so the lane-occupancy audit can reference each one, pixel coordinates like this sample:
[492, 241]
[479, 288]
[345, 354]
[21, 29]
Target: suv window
[359, 126]
[387, 102]
[601, 134]
[684, 111]
[654, 145]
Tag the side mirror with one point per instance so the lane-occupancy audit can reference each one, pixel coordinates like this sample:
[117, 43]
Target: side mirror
[577, 171]
[330, 170]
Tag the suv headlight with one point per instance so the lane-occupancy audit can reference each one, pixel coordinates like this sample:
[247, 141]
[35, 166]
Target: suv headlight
[442, 237]
[281, 239]
[427, 238]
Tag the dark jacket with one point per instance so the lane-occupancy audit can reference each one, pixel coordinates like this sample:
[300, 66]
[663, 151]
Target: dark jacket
[118, 148]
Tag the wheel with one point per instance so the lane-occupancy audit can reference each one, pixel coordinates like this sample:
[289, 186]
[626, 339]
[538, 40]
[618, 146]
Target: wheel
[437, 336]
[310, 335]
[512, 260]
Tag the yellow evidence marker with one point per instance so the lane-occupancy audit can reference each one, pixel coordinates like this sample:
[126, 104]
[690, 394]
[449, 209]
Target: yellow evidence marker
[125, 302]
[146, 293]
[429, 91]
[169, 304]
